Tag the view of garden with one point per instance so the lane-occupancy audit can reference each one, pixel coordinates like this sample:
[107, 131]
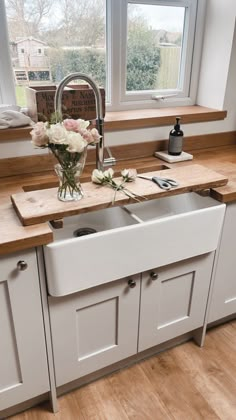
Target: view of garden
[74, 38]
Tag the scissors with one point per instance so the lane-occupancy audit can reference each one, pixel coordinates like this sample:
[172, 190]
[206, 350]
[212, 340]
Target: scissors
[164, 183]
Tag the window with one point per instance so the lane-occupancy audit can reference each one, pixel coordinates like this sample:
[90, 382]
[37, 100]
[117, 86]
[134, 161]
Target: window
[154, 49]
[141, 51]
[22, 50]
[58, 37]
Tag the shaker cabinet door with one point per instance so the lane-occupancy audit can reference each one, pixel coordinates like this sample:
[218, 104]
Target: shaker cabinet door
[23, 361]
[173, 300]
[94, 328]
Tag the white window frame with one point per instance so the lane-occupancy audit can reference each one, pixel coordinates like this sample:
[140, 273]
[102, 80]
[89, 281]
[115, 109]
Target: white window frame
[119, 99]
[7, 88]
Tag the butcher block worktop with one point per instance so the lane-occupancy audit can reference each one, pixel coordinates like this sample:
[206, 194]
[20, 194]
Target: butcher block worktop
[14, 236]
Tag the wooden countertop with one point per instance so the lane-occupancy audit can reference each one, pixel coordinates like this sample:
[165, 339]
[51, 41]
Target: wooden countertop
[15, 237]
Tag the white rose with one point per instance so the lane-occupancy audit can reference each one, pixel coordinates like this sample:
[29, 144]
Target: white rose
[76, 142]
[57, 134]
[129, 175]
[108, 174]
[82, 124]
[97, 176]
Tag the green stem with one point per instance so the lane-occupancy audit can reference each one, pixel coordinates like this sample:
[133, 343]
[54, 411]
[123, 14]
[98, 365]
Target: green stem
[68, 183]
[126, 191]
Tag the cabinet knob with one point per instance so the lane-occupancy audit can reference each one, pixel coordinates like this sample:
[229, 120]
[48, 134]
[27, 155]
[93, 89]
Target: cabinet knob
[131, 283]
[153, 275]
[22, 265]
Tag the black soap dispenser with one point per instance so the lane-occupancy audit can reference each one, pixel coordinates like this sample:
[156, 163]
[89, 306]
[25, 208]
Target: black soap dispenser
[175, 144]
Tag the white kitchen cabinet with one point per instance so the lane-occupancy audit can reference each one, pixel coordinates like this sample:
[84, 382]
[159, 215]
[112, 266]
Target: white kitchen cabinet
[100, 326]
[173, 300]
[23, 360]
[223, 301]
[94, 328]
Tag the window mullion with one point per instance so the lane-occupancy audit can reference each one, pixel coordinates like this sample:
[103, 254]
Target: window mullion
[114, 39]
[123, 49]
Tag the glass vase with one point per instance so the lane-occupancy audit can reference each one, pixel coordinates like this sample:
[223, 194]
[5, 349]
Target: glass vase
[69, 179]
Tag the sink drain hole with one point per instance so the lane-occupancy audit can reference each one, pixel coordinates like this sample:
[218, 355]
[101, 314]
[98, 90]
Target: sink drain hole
[84, 231]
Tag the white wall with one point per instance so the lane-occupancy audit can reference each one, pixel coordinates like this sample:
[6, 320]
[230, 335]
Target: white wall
[216, 55]
[217, 84]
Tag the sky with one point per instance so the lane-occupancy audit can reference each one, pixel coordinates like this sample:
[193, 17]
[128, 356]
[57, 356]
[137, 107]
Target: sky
[162, 17]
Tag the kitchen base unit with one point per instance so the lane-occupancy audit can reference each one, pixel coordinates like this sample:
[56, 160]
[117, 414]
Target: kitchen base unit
[94, 328]
[103, 325]
[23, 361]
[174, 300]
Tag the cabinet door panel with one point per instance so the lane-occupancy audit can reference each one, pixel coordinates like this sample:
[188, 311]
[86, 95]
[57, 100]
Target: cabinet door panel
[23, 361]
[9, 364]
[223, 302]
[94, 328]
[175, 302]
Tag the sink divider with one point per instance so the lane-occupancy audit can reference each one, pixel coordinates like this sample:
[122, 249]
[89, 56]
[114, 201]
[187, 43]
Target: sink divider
[131, 214]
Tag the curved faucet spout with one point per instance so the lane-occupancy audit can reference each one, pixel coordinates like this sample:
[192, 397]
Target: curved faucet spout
[99, 113]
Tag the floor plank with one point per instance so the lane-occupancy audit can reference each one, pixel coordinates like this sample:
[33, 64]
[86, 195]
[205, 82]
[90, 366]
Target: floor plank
[176, 389]
[184, 383]
[213, 372]
[132, 388]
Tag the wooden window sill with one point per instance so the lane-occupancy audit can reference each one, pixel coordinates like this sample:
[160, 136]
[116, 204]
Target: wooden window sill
[143, 118]
[140, 118]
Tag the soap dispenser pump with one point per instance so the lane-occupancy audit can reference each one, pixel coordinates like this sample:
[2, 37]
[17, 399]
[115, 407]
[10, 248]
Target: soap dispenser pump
[175, 144]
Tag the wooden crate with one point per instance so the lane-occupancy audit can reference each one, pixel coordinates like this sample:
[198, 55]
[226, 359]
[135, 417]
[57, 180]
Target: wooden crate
[78, 101]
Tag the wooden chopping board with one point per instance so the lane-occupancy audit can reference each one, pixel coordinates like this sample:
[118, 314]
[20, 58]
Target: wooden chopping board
[40, 206]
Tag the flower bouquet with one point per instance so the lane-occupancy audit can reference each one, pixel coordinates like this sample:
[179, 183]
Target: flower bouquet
[68, 141]
[106, 178]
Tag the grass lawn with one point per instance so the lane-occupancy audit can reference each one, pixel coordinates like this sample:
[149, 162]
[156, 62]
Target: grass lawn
[20, 96]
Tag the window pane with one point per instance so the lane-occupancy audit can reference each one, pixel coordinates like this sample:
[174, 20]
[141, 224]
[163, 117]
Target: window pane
[49, 39]
[154, 43]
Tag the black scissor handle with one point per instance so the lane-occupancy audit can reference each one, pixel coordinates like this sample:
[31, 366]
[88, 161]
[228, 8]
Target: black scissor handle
[161, 183]
[172, 182]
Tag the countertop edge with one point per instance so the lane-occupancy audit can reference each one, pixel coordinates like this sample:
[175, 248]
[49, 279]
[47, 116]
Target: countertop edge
[17, 245]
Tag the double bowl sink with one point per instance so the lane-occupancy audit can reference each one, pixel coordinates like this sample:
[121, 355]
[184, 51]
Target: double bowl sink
[130, 239]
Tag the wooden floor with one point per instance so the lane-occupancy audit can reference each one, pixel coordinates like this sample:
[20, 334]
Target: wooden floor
[184, 383]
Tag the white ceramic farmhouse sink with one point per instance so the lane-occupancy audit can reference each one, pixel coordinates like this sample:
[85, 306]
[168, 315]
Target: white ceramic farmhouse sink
[161, 231]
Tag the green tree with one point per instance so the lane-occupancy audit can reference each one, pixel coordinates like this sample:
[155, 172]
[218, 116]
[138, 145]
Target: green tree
[25, 17]
[83, 22]
[88, 61]
[57, 63]
[58, 22]
[91, 62]
[143, 57]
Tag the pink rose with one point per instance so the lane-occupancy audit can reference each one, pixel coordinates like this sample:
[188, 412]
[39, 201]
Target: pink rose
[39, 135]
[96, 136]
[86, 134]
[91, 136]
[71, 125]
